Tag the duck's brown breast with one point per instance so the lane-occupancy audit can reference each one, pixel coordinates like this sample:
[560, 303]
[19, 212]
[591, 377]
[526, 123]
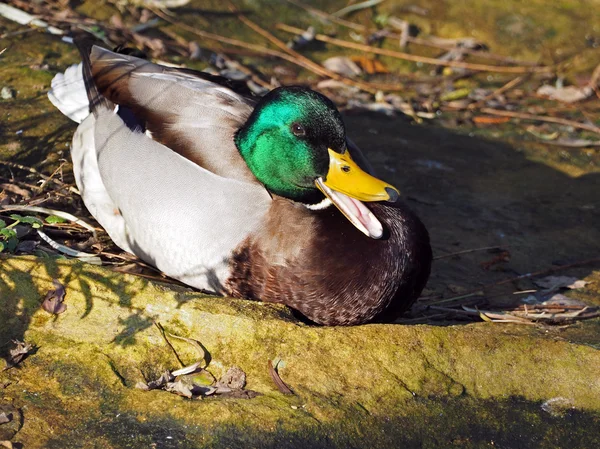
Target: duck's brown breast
[319, 264]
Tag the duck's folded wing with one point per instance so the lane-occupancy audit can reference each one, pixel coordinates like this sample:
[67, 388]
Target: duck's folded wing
[182, 110]
[183, 219]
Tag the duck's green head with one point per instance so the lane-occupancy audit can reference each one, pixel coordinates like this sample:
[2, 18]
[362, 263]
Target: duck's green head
[295, 144]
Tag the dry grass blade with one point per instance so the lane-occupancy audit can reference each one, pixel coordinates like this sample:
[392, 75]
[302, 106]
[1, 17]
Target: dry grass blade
[416, 58]
[281, 386]
[162, 333]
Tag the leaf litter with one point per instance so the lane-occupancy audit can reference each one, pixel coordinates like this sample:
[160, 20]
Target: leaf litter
[54, 301]
[194, 381]
[18, 353]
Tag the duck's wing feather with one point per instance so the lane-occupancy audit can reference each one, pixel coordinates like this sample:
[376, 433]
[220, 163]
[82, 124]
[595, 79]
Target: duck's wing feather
[183, 110]
[178, 216]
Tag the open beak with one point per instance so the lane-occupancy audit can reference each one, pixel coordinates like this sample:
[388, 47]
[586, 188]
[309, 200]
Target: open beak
[347, 185]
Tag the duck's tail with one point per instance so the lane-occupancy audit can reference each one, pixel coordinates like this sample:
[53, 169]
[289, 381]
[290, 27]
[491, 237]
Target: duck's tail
[69, 95]
[74, 92]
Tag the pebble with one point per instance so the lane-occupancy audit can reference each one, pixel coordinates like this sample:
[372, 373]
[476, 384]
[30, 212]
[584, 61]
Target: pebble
[8, 93]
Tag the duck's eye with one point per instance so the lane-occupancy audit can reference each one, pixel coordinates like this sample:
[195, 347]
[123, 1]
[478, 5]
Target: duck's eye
[345, 168]
[298, 129]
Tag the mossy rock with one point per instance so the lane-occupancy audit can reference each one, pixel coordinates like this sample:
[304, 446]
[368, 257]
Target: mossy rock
[367, 386]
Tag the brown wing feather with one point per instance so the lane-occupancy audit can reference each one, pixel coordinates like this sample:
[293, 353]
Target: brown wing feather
[189, 114]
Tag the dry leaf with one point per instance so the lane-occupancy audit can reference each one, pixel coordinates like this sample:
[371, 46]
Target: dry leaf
[569, 94]
[19, 353]
[369, 65]
[179, 388]
[342, 66]
[6, 444]
[283, 388]
[53, 302]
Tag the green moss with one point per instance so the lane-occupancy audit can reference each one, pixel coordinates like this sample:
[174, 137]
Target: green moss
[376, 383]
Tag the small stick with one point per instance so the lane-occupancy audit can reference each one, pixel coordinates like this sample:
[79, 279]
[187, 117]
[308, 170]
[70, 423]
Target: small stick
[467, 251]
[368, 87]
[512, 83]
[518, 278]
[541, 118]
[414, 40]
[416, 58]
[41, 175]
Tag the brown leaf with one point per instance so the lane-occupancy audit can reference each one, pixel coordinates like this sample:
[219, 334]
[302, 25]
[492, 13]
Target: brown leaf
[19, 353]
[283, 388]
[53, 302]
[369, 65]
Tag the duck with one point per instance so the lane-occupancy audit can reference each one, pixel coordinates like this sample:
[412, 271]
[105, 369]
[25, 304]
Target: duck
[261, 198]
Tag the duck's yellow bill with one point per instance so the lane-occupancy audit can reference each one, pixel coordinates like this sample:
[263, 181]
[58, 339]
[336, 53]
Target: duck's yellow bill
[347, 177]
[346, 184]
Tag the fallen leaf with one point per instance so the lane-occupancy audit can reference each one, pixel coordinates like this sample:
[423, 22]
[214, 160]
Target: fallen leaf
[53, 302]
[569, 94]
[19, 353]
[283, 388]
[552, 283]
[369, 65]
[165, 378]
[6, 444]
[179, 388]
[342, 66]
[234, 379]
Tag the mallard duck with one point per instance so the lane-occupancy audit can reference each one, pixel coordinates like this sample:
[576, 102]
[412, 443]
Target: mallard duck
[257, 198]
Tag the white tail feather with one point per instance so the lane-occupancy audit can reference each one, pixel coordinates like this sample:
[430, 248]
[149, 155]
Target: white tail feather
[69, 95]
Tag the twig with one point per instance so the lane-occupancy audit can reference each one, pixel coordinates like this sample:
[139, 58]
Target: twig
[541, 118]
[324, 15]
[467, 251]
[414, 40]
[369, 87]
[416, 58]
[512, 83]
[479, 291]
[34, 171]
